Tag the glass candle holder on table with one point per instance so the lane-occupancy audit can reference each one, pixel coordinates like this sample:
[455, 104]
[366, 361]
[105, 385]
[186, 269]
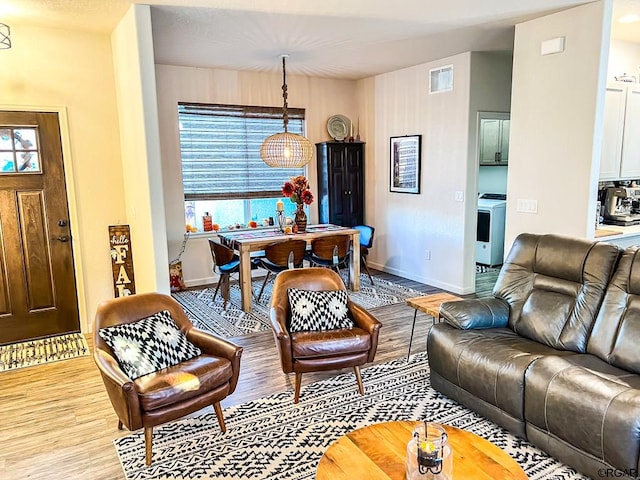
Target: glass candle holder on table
[429, 455]
[281, 220]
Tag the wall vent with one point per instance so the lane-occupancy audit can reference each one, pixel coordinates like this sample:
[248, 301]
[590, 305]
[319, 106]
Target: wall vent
[441, 79]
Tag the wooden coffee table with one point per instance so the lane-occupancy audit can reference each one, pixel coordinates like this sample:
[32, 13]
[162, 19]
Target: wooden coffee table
[429, 304]
[378, 452]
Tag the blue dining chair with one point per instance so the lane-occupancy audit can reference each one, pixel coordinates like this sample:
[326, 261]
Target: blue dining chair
[225, 262]
[366, 242]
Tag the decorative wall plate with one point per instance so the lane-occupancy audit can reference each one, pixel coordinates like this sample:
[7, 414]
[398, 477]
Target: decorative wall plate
[339, 127]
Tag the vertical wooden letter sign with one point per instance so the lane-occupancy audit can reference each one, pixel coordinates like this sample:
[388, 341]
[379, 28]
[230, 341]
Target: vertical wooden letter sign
[122, 260]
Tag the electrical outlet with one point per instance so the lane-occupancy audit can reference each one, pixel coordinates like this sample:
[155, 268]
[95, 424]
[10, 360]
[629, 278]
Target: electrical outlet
[427, 254]
[459, 196]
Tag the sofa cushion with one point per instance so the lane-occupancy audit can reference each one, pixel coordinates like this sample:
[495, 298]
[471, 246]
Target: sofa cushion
[586, 403]
[179, 383]
[488, 363]
[616, 333]
[329, 343]
[554, 286]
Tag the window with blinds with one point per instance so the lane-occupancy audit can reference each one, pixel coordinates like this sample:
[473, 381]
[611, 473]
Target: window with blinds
[220, 149]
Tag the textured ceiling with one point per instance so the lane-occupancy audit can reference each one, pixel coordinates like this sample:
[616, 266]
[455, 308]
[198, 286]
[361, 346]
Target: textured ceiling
[330, 38]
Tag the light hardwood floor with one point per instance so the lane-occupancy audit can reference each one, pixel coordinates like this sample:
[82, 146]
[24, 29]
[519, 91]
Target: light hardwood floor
[57, 422]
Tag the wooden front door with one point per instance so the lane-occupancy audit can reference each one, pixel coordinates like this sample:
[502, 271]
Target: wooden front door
[37, 278]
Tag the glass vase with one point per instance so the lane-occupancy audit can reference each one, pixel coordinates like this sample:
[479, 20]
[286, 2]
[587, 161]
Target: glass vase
[301, 218]
[429, 456]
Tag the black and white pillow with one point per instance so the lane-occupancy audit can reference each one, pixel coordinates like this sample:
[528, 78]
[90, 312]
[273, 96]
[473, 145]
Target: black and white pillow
[148, 345]
[318, 310]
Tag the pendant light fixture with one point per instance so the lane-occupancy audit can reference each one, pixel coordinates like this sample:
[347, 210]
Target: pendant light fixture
[286, 150]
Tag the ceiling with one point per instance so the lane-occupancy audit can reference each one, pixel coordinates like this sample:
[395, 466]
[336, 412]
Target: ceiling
[329, 38]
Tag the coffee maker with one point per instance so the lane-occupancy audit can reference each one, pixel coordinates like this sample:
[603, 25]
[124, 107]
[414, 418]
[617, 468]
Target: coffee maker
[622, 206]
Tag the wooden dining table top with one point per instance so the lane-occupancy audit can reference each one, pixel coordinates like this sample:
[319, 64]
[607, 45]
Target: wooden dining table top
[234, 238]
[246, 241]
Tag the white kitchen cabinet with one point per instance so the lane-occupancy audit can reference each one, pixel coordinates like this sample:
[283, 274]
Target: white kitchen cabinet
[630, 164]
[493, 138]
[620, 157]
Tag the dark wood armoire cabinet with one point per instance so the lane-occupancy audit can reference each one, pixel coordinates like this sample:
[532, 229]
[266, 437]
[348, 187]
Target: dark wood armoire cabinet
[340, 183]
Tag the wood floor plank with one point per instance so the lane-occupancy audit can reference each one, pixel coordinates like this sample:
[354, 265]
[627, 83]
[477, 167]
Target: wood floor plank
[58, 423]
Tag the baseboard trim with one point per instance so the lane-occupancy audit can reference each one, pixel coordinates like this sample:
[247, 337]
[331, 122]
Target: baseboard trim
[428, 281]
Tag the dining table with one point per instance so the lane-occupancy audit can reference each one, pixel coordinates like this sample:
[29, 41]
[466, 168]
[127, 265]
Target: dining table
[245, 241]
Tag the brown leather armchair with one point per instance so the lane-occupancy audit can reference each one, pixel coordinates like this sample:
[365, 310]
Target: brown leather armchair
[172, 392]
[312, 351]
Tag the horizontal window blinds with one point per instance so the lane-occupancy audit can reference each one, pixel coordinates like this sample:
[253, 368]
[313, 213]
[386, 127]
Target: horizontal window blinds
[220, 149]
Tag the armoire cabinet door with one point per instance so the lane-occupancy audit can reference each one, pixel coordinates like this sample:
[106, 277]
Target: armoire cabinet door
[341, 183]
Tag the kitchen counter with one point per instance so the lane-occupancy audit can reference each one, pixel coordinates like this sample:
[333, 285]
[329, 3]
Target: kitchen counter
[623, 236]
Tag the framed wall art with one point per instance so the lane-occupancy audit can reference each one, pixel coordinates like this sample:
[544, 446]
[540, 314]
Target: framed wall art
[404, 164]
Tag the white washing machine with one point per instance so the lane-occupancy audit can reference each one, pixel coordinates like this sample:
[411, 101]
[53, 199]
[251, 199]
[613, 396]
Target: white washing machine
[490, 230]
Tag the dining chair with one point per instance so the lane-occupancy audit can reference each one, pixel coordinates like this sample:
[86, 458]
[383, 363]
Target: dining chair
[225, 262]
[280, 256]
[332, 252]
[366, 242]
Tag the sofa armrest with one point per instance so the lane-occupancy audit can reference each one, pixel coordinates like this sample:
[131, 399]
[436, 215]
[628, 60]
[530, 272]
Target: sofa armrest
[476, 313]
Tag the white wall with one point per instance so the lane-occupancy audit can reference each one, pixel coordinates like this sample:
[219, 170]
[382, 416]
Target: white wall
[407, 226]
[556, 122]
[624, 58]
[398, 103]
[492, 179]
[320, 97]
[136, 93]
[72, 72]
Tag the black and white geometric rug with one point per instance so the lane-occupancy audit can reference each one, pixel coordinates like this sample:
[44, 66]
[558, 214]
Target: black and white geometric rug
[486, 268]
[210, 315]
[272, 438]
[44, 350]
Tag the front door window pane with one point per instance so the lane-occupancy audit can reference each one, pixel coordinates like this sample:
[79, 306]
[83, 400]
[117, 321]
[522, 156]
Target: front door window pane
[7, 163]
[19, 150]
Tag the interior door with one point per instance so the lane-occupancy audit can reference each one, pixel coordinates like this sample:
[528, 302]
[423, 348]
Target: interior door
[38, 294]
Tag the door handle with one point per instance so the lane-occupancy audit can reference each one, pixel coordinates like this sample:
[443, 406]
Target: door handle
[62, 238]
[62, 223]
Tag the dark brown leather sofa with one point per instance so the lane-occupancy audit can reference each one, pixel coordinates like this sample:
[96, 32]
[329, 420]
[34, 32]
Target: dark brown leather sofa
[554, 356]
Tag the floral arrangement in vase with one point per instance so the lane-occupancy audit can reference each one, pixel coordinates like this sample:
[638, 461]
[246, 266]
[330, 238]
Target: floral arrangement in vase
[297, 190]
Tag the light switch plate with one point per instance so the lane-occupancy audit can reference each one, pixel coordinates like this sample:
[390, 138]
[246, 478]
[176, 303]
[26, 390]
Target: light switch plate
[554, 45]
[527, 205]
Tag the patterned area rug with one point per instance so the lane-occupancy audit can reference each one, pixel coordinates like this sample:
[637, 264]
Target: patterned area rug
[233, 322]
[486, 268]
[46, 350]
[272, 438]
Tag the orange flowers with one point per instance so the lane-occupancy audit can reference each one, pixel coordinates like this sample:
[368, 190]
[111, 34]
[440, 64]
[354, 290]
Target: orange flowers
[297, 190]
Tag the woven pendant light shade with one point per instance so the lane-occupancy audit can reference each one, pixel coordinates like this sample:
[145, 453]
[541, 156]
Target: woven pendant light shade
[286, 150]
